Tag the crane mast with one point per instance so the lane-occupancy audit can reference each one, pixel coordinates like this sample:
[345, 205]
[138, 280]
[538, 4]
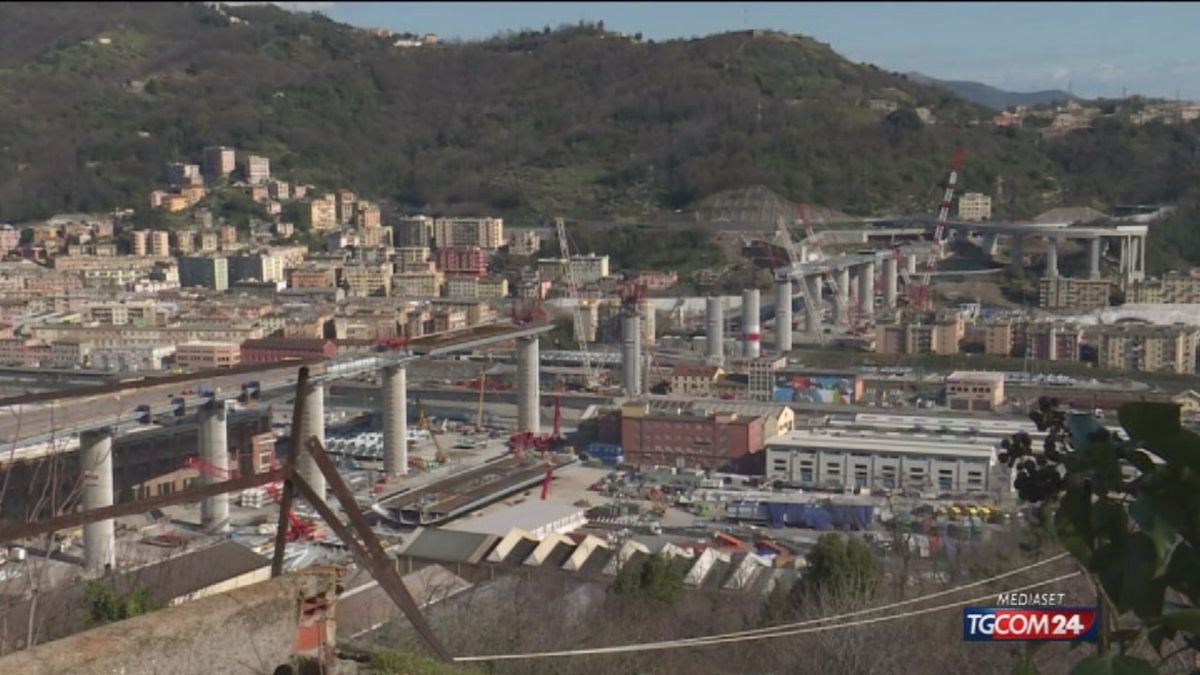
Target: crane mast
[922, 294]
[589, 374]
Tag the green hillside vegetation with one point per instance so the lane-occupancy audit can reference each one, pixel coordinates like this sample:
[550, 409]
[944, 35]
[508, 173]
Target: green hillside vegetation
[574, 121]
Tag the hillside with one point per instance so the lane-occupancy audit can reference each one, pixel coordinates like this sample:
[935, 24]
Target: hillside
[994, 97]
[573, 121]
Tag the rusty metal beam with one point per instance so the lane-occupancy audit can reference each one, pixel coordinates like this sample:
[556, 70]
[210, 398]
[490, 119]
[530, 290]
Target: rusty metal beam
[383, 568]
[65, 522]
[289, 461]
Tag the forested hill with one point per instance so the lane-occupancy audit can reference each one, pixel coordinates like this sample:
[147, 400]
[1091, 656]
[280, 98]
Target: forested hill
[94, 99]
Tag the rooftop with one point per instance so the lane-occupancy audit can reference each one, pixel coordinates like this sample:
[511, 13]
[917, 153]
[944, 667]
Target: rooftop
[529, 515]
[890, 442]
[976, 375]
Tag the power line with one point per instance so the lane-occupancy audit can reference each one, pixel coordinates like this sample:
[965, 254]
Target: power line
[761, 634]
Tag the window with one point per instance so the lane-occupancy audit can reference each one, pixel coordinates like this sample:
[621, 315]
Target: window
[806, 474]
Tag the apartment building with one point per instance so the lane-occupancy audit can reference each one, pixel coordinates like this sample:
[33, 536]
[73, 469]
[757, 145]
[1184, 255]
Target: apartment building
[270, 350]
[345, 201]
[473, 287]
[413, 231]
[185, 242]
[256, 169]
[524, 243]
[998, 337]
[320, 214]
[182, 174]
[695, 379]
[1169, 289]
[418, 284]
[202, 355]
[218, 161]
[461, 260]
[1073, 293]
[667, 438]
[942, 337]
[587, 269]
[1054, 341]
[412, 258]
[486, 233]
[209, 272]
[311, 276]
[966, 390]
[367, 280]
[1147, 348]
[140, 243]
[367, 215]
[259, 267]
[974, 206]
[160, 243]
[208, 241]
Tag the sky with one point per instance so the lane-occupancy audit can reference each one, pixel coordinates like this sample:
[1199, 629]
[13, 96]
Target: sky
[1095, 49]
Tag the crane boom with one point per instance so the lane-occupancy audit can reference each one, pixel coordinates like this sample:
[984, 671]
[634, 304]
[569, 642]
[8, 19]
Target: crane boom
[576, 313]
[940, 231]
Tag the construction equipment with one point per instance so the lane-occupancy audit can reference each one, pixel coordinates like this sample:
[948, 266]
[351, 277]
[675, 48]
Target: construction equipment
[519, 443]
[920, 296]
[479, 412]
[591, 381]
[440, 455]
[300, 528]
[811, 304]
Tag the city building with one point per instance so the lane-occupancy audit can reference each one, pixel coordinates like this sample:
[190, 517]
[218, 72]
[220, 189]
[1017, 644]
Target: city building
[1147, 348]
[209, 272]
[1172, 288]
[160, 243]
[256, 169]
[207, 355]
[460, 260]
[271, 350]
[367, 280]
[694, 379]
[1073, 293]
[345, 207]
[587, 269]
[320, 214]
[279, 190]
[846, 460]
[418, 284]
[974, 206]
[140, 242]
[366, 215]
[486, 233]
[412, 258]
[311, 276]
[413, 231]
[966, 390]
[182, 174]
[1054, 341]
[667, 438]
[473, 287]
[218, 161]
[941, 337]
[256, 267]
[524, 243]
[999, 337]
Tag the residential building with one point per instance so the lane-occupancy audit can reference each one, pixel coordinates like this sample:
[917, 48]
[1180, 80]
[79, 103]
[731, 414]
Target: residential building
[193, 193]
[160, 243]
[413, 231]
[919, 338]
[412, 258]
[694, 379]
[1054, 341]
[218, 161]
[1172, 288]
[998, 337]
[587, 269]
[175, 203]
[974, 206]
[524, 243]
[345, 207]
[209, 272]
[68, 354]
[270, 350]
[1073, 293]
[486, 233]
[844, 460]
[1148, 348]
[366, 215]
[311, 276]
[182, 174]
[654, 280]
[131, 359]
[140, 242]
[209, 241]
[417, 284]
[279, 190]
[320, 214]
[256, 169]
[966, 390]
[10, 238]
[367, 280]
[473, 287]
[651, 437]
[259, 267]
[459, 260]
[201, 355]
[185, 241]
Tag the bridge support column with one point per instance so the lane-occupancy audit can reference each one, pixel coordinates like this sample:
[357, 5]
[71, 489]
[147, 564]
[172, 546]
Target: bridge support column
[631, 354]
[1140, 273]
[395, 421]
[866, 291]
[783, 316]
[313, 424]
[214, 451]
[1017, 254]
[529, 417]
[989, 245]
[889, 282]
[910, 263]
[1051, 257]
[1094, 258]
[99, 538]
[751, 328]
[812, 320]
[714, 317]
[841, 301]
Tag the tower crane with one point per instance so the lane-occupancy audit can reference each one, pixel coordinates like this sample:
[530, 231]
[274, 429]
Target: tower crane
[440, 455]
[921, 293]
[591, 381]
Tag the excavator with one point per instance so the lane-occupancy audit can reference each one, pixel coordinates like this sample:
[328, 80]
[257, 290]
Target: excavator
[440, 455]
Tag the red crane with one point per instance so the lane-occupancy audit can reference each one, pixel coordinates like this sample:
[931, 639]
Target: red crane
[300, 529]
[921, 292]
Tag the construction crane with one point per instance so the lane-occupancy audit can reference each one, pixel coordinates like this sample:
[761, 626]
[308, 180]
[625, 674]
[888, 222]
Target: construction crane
[479, 412]
[440, 455]
[811, 239]
[591, 381]
[921, 293]
[299, 528]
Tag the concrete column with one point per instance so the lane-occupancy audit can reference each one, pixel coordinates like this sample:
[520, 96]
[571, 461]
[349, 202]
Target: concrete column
[866, 290]
[841, 299]
[395, 421]
[910, 263]
[1141, 270]
[714, 318]
[1017, 251]
[751, 328]
[1094, 258]
[889, 282]
[631, 354]
[214, 451]
[1051, 257]
[99, 539]
[529, 417]
[783, 316]
[313, 425]
[988, 244]
[1123, 266]
[812, 322]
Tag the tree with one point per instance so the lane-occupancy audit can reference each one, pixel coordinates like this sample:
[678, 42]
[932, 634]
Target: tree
[1124, 505]
[103, 604]
[839, 566]
[653, 579]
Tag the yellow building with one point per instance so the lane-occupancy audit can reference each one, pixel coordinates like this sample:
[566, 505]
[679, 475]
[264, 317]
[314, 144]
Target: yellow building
[1170, 289]
[1072, 293]
[967, 390]
[974, 206]
[1148, 348]
[204, 355]
[417, 284]
[320, 214]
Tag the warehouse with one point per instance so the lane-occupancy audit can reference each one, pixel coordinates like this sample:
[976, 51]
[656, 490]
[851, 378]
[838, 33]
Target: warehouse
[843, 460]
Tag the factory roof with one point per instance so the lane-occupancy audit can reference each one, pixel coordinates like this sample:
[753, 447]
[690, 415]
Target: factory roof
[530, 515]
[976, 375]
[450, 545]
[892, 443]
[981, 425]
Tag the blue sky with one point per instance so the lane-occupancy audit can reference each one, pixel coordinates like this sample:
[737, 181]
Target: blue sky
[1095, 48]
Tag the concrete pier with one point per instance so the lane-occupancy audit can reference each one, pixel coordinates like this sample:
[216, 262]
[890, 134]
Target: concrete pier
[783, 316]
[866, 291]
[631, 354]
[841, 306]
[812, 322]
[99, 538]
[313, 425]
[1051, 257]
[528, 395]
[714, 346]
[1094, 258]
[751, 328]
[395, 421]
[214, 451]
[890, 273]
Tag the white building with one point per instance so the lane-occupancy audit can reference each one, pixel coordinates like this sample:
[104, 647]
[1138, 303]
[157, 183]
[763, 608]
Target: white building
[847, 459]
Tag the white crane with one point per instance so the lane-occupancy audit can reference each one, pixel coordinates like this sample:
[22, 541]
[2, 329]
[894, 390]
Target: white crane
[589, 375]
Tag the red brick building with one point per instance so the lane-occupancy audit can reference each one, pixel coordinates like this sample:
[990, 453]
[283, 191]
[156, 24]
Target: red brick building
[470, 260]
[691, 441]
[270, 350]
